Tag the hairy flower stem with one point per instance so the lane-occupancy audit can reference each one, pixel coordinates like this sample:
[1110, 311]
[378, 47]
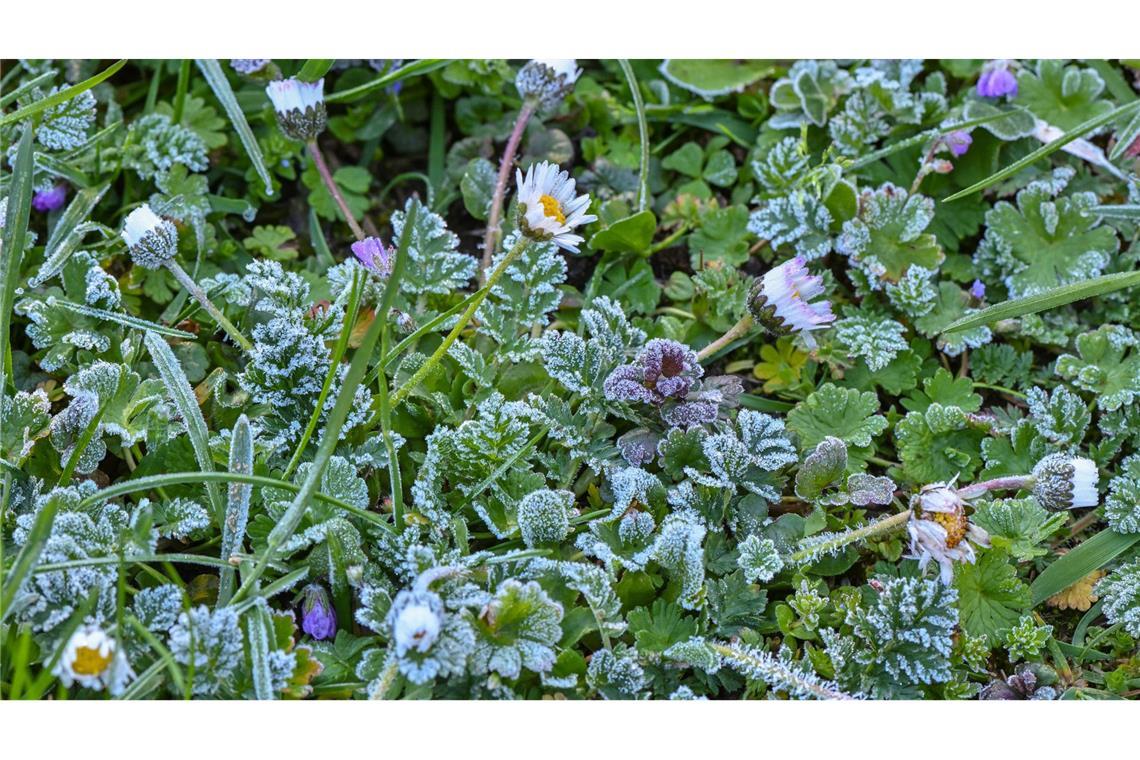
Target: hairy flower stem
[440, 352]
[1011, 483]
[870, 530]
[738, 330]
[334, 191]
[200, 296]
[490, 237]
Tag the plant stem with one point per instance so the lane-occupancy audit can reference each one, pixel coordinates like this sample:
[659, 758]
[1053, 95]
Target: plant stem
[1012, 483]
[490, 237]
[739, 329]
[200, 296]
[643, 132]
[878, 527]
[440, 352]
[334, 191]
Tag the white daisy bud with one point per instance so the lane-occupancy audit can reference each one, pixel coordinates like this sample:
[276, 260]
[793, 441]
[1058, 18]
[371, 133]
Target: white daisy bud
[547, 81]
[548, 208]
[300, 107]
[152, 240]
[780, 300]
[416, 627]
[1064, 482]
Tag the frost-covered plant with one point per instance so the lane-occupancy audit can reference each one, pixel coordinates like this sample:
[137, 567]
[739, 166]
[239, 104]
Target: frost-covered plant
[211, 642]
[1120, 592]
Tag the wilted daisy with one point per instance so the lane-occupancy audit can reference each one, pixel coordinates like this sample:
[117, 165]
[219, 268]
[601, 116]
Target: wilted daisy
[92, 659]
[780, 301]
[548, 208]
[997, 80]
[300, 107]
[940, 531]
[547, 81]
[152, 240]
[1064, 482]
[373, 255]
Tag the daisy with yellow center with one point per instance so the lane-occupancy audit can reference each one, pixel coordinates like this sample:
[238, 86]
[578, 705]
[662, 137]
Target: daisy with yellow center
[548, 207]
[940, 530]
[91, 658]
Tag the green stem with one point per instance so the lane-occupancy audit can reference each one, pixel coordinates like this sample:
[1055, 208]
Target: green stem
[870, 530]
[200, 296]
[643, 131]
[738, 330]
[440, 352]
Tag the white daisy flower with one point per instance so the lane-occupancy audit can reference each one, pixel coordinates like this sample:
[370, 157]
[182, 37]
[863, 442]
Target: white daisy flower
[1065, 482]
[92, 659]
[940, 530]
[548, 209]
[547, 80]
[780, 300]
[300, 107]
[151, 239]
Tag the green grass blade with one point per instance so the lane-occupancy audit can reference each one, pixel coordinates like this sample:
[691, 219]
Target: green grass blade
[314, 69]
[1127, 135]
[643, 132]
[62, 96]
[126, 320]
[179, 390]
[216, 77]
[1130, 211]
[922, 137]
[1065, 294]
[67, 233]
[237, 503]
[12, 243]
[258, 626]
[415, 68]
[1047, 149]
[1092, 554]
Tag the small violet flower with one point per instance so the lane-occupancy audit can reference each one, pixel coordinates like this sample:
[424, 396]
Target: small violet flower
[958, 142]
[50, 199]
[978, 290]
[318, 619]
[374, 256]
[997, 80]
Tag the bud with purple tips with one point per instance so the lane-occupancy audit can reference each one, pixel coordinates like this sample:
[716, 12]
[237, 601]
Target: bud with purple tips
[997, 80]
[958, 142]
[318, 619]
[50, 199]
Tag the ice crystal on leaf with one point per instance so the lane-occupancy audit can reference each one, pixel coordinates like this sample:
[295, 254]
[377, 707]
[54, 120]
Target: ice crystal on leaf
[1026, 639]
[1122, 506]
[211, 641]
[1107, 364]
[526, 296]
[1061, 417]
[808, 93]
[516, 629]
[873, 337]
[1047, 239]
[434, 265]
[797, 219]
[744, 457]
[900, 635]
[781, 672]
[759, 559]
[939, 443]
[1121, 594]
[65, 126]
[544, 516]
[158, 607]
[843, 413]
[157, 144]
[616, 674]
[888, 236]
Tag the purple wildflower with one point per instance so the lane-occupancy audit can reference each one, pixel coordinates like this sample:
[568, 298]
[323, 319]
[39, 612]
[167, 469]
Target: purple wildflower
[373, 255]
[318, 619]
[978, 290]
[780, 300]
[50, 199]
[663, 370]
[958, 142]
[997, 80]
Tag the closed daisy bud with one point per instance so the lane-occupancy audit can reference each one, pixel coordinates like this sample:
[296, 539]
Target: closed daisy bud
[1064, 482]
[547, 81]
[152, 240]
[318, 619]
[548, 208]
[780, 300]
[940, 530]
[300, 107]
[91, 659]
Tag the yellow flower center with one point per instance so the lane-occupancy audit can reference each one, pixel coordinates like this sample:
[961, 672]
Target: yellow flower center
[955, 524]
[552, 208]
[90, 662]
